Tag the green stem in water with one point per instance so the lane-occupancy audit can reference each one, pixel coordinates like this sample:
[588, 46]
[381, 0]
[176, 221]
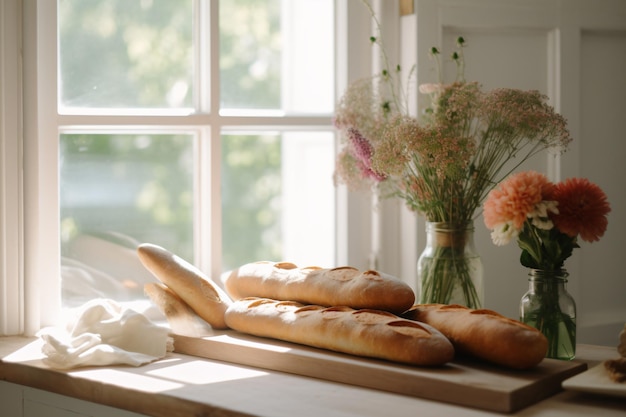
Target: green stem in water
[446, 271]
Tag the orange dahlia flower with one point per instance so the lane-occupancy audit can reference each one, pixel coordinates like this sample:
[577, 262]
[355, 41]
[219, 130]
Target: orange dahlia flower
[516, 198]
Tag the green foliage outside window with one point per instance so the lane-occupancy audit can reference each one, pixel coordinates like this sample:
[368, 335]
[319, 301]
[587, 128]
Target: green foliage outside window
[117, 54]
[120, 53]
[251, 199]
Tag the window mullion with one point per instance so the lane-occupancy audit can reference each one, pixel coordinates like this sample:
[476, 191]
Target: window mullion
[354, 61]
[197, 119]
[209, 210]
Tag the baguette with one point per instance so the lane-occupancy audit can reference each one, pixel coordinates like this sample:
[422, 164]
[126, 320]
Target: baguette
[484, 334]
[369, 333]
[344, 286]
[181, 318]
[203, 295]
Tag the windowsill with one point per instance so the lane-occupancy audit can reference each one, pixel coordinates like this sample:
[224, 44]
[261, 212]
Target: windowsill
[184, 385]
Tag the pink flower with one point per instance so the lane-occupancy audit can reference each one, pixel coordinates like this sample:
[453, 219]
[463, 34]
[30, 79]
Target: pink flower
[516, 198]
[362, 151]
[583, 208]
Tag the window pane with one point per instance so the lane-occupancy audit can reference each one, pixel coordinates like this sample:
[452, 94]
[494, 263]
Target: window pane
[125, 54]
[277, 55]
[117, 191]
[278, 198]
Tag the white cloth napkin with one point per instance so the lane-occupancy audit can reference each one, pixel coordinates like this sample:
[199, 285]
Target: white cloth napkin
[102, 332]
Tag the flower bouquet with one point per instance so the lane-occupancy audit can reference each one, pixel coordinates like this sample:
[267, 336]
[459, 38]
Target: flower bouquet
[444, 163]
[547, 220]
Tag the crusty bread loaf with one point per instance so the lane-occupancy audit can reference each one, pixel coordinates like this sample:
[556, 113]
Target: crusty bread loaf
[344, 286]
[370, 333]
[181, 318]
[616, 369]
[197, 290]
[484, 334]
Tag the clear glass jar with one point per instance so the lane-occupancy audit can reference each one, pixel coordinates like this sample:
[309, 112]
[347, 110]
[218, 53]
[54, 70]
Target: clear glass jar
[548, 307]
[449, 270]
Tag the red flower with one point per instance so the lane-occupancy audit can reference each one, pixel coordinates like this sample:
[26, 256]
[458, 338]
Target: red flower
[583, 208]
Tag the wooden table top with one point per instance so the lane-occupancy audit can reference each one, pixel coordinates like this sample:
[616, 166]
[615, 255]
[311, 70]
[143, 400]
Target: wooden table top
[184, 385]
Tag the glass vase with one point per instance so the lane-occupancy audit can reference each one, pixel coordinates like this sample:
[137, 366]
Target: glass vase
[449, 270]
[548, 307]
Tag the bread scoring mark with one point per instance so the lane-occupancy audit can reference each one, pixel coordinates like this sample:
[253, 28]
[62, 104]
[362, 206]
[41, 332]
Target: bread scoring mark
[366, 316]
[342, 273]
[486, 312]
[341, 268]
[311, 268]
[372, 275]
[308, 309]
[334, 312]
[495, 315]
[287, 305]
[409, 328]
[285, 265]
[507, 320]
[256, 302]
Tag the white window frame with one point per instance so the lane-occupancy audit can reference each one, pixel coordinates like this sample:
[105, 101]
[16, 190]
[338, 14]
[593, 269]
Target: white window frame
[29, 226]
[11, 219]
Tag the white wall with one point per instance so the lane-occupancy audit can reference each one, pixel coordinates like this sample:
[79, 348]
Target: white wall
[575, 52]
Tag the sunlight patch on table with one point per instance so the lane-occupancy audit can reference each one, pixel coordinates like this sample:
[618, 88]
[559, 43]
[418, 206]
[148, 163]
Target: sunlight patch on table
[129, 380]
[202, 372]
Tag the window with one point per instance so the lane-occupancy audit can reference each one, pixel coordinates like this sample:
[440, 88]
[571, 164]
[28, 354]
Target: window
[150, 61]
[203, 126]
[186, 124]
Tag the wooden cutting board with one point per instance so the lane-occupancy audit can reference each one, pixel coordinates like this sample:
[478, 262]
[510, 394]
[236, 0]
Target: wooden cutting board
[464, 383]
